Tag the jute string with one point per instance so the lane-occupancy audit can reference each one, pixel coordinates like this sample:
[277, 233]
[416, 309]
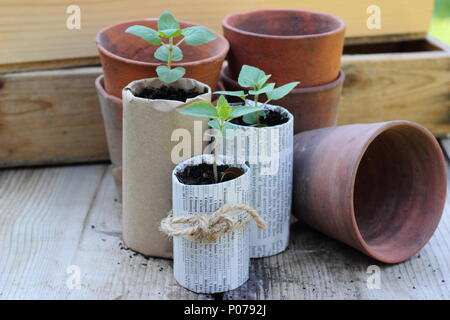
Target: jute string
[210, 227]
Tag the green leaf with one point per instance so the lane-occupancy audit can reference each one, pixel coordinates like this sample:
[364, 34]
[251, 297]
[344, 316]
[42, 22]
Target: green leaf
[268, 87]
[240, 111]
[162, 53]
[200, 109]
[167, 21]
[240, 94]
[250, 76]
[197, 35]
[250, 118]
[263, 80]
[167, 33]
[145, 33]
[223, 108]
[282, 91]
[214, 124]
[170, 75]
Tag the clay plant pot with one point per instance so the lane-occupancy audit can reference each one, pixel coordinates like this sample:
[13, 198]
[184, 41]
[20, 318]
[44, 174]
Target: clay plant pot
[126, 58]
[149, 158]
[222, 265]
[111, 108]
[268, 152]
[291, 45]
[379, 187]
[312, 107]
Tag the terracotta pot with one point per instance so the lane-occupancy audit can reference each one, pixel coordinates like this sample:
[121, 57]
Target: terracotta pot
[313, 107]
[291, 45]
[126, 58]
[379, 187]
[111, 107]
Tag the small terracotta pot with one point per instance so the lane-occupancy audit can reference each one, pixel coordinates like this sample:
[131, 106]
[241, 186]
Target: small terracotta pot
[313, 107]
[291, 45]
[379, 187]
[126, 58]
[111, 107]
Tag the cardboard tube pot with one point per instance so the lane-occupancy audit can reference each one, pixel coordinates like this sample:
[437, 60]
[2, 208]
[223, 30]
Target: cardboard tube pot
[218, 266]
[291, 45]
[126, 58]
[268, 151]
[313, 107]
[111, 107]
[149, 126]
[379, 187]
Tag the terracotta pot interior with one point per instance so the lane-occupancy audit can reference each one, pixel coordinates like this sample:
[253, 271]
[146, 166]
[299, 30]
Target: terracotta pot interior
[397, 192]
[128, 46]
[285, 23]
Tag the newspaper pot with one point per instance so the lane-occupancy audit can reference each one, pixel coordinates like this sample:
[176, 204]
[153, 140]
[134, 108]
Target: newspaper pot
[126, 58]
[148, 126]
[379, 187]
[218, 266]
[312, 107]
[291, 45]
[269, 153]
[111, 107]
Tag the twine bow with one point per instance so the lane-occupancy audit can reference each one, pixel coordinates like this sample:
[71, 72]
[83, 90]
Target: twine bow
[210, 227]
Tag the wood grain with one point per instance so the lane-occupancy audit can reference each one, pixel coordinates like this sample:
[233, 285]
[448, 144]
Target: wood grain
[38, 30]
[391, 86]
[52, 218]
[50, 117]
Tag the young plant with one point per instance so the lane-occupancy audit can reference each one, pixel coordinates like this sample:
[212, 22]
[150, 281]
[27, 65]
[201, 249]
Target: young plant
[221, 117]
[169, 50]
[256, 79]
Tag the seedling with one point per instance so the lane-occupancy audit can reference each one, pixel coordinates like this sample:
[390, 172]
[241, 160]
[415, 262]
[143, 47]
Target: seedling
[256, 79]
[169, 50]
[221, 117]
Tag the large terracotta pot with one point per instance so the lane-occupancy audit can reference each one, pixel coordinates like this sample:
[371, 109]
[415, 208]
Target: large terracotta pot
[126, 58]
[111, 107]
[312, 107]
[379, 188]
[291, 45]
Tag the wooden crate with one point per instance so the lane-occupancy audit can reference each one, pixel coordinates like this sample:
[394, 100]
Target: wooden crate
[36, 31]
[54, 116]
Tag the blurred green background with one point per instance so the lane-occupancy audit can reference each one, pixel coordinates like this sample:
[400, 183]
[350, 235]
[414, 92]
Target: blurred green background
[440, 24]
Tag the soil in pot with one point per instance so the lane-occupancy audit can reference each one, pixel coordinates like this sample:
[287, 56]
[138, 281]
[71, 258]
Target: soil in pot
[271, 119]
[202, 174]
[169, 93]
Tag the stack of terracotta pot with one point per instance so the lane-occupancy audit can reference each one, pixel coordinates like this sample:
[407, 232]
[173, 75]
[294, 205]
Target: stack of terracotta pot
[291, 45]
[125, 59]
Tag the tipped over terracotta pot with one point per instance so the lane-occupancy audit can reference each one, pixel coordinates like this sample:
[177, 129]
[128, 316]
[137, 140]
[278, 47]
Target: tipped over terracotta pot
[126, 58]
[379, 188]
[313, 107]
[291, 45]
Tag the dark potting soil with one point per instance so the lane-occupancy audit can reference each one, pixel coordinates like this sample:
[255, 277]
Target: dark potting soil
[273, 118]
[202, 174]
[169, 93]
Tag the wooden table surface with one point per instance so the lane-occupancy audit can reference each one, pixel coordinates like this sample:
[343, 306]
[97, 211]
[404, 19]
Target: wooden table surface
[55, 221]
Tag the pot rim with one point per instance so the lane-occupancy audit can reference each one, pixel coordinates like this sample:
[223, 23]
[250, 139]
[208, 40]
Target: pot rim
[383, 128]
[270, 107]
[221, 55]
[128, 89]
[100, 85]
[340, 28]
[209, 157]
[224, 74]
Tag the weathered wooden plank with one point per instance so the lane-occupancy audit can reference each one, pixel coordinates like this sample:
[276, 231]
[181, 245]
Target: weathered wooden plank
[50, 117]
[36, 31]
[42, 216]
[52, 218]
[392, 86]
